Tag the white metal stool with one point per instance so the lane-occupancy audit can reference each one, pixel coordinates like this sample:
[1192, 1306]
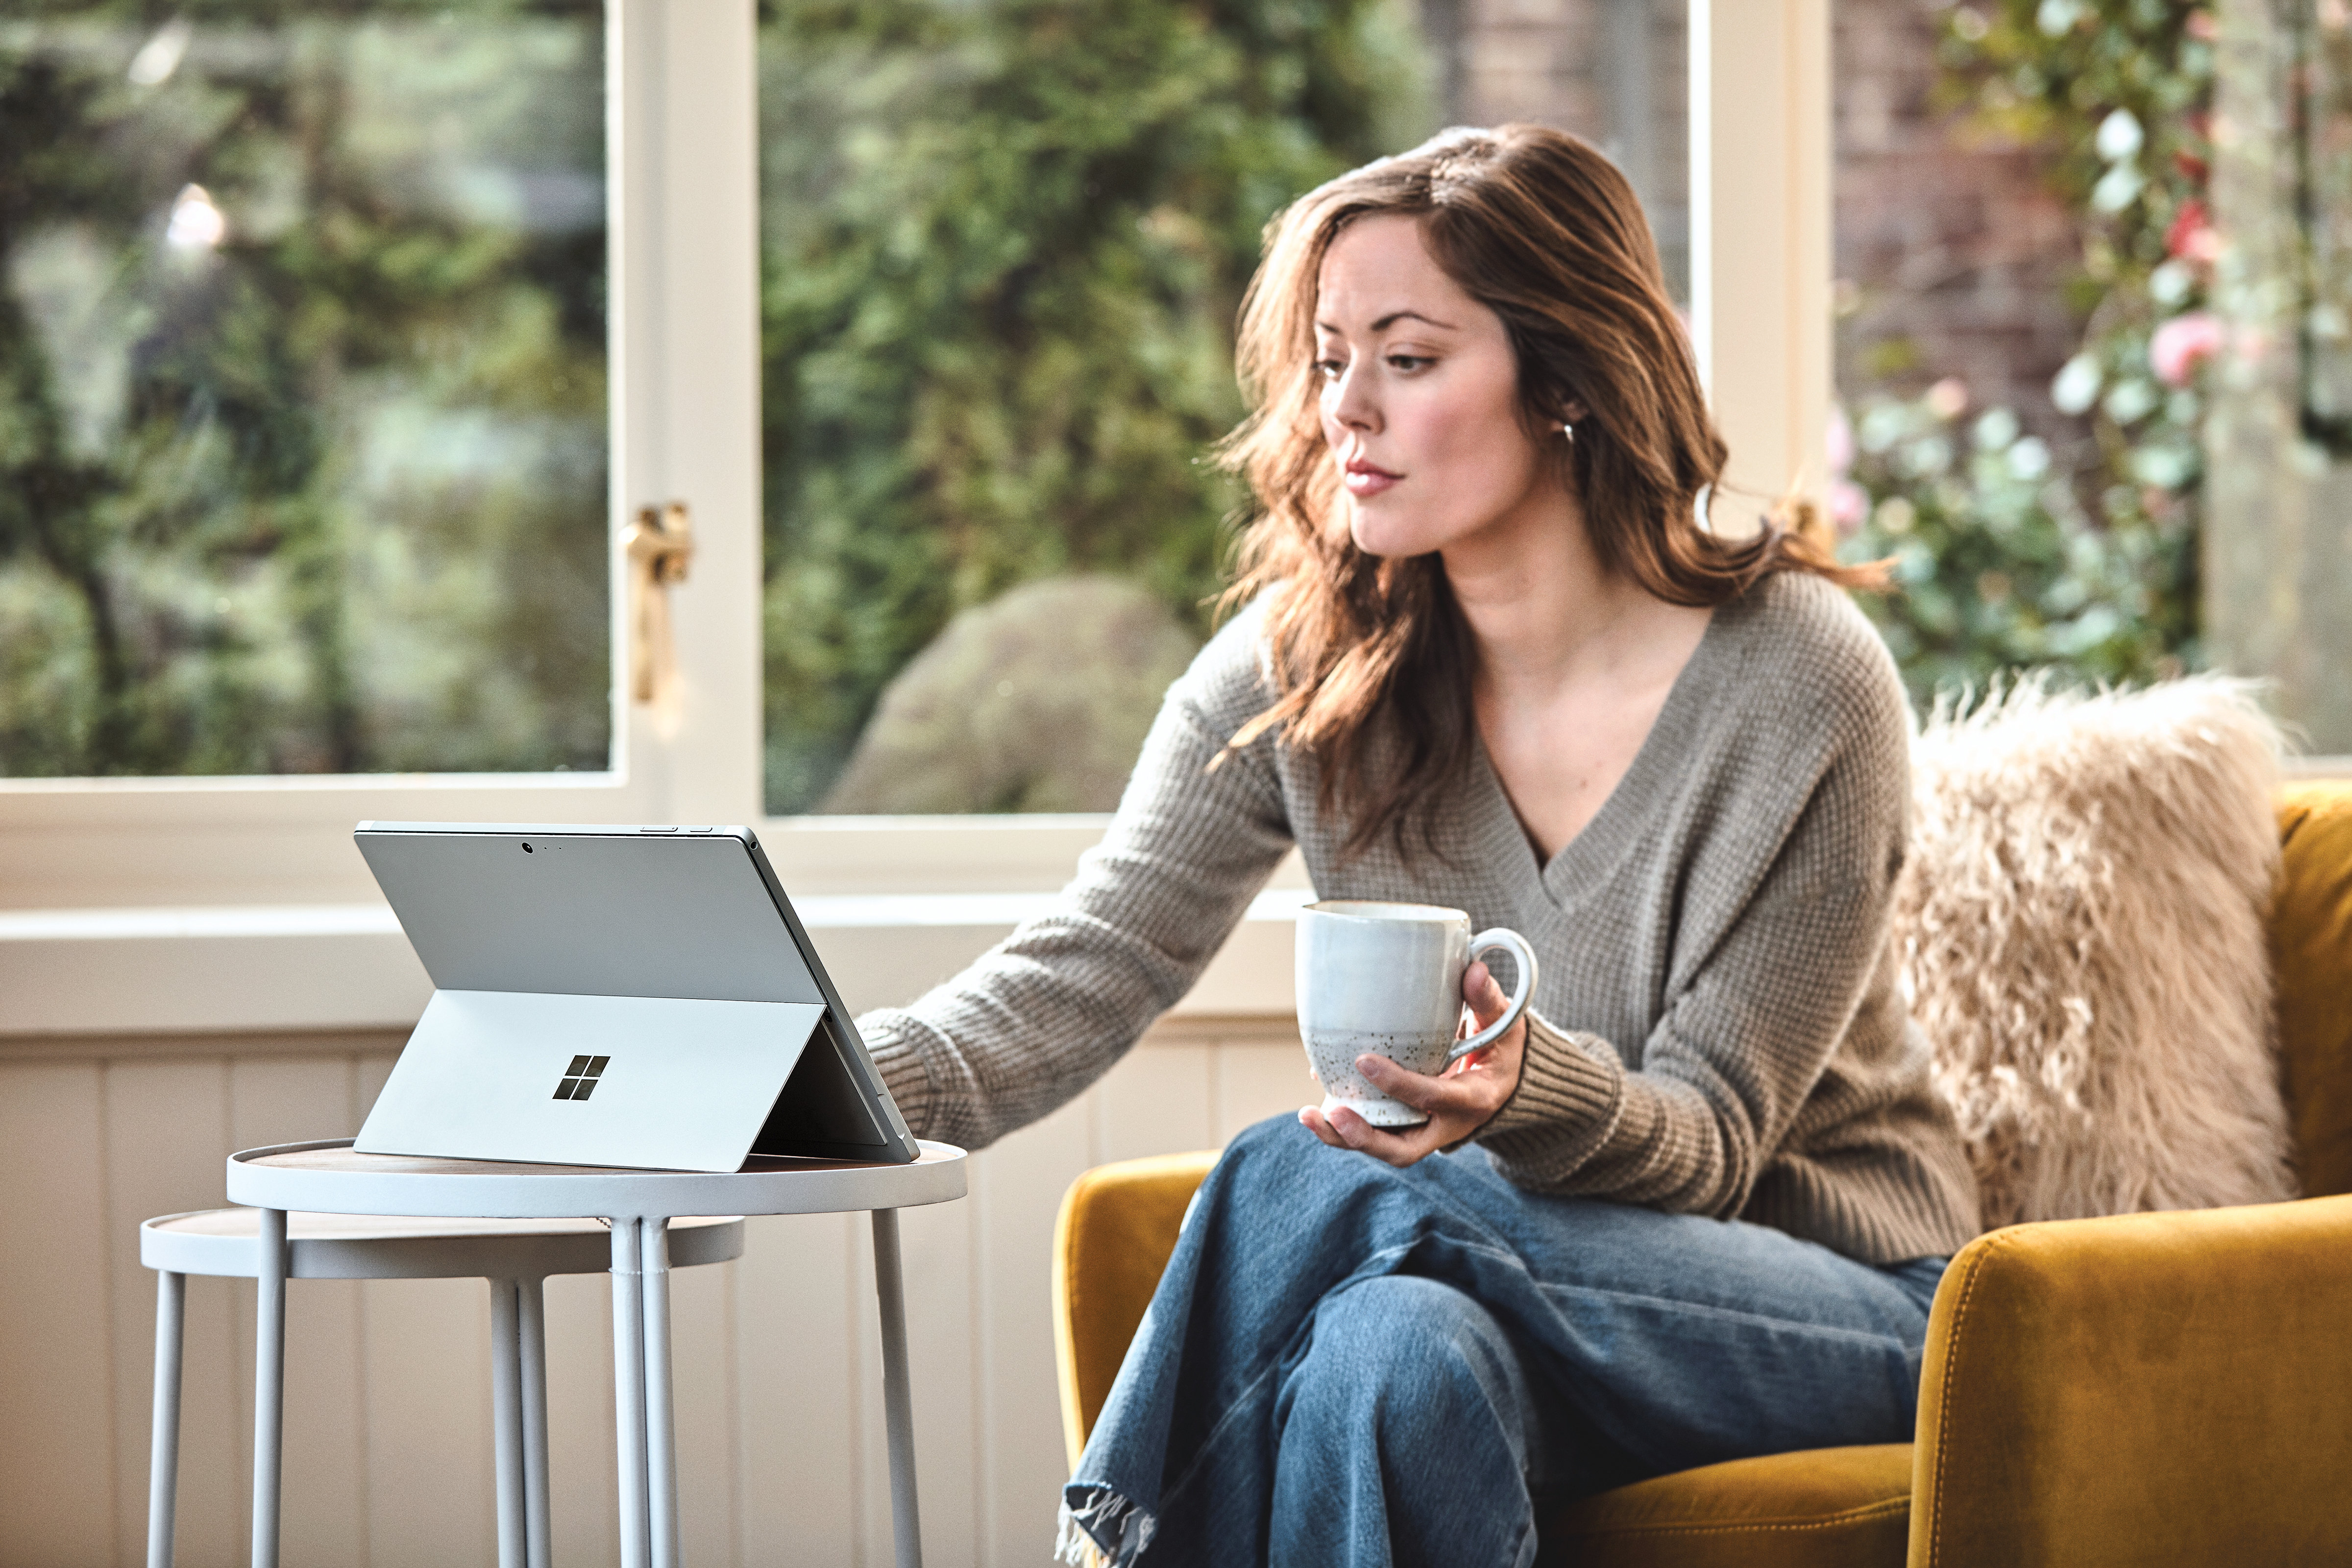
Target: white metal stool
[514, 1255]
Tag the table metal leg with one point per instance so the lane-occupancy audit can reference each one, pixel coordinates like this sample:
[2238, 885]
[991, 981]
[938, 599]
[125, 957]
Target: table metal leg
[506, 1423]
[269, 1384]
[629, 1389]
[661, 1426]
[898, 1402]
[163, 1466]
[531, 1324]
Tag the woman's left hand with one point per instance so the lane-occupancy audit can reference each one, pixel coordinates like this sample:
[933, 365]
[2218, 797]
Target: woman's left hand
[1458, 1101]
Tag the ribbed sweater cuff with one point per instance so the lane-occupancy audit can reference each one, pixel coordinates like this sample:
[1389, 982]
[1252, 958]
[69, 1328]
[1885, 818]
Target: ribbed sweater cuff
[892, 1037]
[1566, 1105]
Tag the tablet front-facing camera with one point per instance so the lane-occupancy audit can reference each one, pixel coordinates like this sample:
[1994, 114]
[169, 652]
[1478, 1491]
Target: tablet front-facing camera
[526, 849]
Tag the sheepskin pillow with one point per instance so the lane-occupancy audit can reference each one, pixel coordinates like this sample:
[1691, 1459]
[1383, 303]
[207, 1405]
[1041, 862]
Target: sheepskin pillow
[2081, 924]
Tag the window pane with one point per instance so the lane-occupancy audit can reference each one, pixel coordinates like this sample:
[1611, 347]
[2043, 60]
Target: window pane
[2091, 321]
[1005, 242]
[302, 389]
[1616, 72]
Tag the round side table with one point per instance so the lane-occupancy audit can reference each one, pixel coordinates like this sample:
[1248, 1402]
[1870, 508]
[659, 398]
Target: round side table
[513, 1257]
[333, 1178]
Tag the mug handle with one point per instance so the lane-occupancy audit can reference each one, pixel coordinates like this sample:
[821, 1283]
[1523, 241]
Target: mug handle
[1516, 946]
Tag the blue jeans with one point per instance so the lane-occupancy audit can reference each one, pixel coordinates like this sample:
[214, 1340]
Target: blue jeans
[1349, 1364]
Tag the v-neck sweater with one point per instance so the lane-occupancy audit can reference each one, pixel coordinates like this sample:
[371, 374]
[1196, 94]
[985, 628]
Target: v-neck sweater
[1716, 1027]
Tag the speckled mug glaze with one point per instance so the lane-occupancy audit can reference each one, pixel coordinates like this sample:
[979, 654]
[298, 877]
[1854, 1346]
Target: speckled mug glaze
[1387, 978]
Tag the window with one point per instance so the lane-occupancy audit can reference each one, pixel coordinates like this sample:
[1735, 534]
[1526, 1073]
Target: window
[2091, 314]
[579, 160]
[303, 339]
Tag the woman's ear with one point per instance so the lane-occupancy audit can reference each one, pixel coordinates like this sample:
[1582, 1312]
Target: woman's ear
[1570, 412]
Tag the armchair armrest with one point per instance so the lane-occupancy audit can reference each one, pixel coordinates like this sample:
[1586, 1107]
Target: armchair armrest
[1111, 1243]
[2154, 1389]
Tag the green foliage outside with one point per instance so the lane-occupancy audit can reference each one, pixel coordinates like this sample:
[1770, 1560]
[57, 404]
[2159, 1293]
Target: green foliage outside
[1004, 244]
[1995, 568]
[2011, 553]
[301, 388]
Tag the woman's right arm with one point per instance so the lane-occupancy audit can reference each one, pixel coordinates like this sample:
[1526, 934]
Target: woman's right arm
[1048, 1011]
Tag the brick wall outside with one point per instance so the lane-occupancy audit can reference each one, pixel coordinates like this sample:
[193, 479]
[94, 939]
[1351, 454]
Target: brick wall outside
[1613, 71]
[1950, 255]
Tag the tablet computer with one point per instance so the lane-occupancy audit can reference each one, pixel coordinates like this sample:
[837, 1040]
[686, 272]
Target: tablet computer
[616, 996]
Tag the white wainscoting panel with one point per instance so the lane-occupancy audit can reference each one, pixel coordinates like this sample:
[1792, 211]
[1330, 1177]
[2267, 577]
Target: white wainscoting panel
[778, 1365]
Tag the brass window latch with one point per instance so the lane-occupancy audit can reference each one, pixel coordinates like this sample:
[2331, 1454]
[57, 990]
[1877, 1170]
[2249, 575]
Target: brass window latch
[659, 544]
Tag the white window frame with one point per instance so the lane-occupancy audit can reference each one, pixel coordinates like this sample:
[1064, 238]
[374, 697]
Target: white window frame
[683, 422]
[178, 905]
[1761, 228]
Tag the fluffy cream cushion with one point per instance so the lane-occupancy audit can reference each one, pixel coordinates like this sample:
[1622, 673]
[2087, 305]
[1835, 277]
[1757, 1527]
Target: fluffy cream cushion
[2081, 928]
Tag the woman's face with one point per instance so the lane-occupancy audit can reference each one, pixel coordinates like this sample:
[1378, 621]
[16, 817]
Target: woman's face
[1420, 401]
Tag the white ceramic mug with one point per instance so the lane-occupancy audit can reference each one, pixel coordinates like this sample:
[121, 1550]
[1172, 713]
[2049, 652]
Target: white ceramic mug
[1387, 978]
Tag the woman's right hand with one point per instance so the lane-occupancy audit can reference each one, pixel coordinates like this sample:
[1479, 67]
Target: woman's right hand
[1457, 1101]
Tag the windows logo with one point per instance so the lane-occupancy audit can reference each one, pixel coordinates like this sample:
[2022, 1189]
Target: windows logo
[579, 1077]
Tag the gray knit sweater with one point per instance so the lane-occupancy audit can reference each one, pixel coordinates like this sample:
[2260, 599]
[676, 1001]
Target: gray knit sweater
[1717, 1029]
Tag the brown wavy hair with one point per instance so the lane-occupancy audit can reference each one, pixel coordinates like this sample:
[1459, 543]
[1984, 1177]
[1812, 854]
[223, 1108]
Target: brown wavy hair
[1540, 228]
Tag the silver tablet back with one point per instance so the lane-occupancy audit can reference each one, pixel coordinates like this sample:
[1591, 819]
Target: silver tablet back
[589, 911]
[669, 956]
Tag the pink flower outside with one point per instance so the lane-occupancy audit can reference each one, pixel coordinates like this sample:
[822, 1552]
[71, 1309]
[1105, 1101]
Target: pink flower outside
[2182, 344]
[2192, 236]
[1849, 504]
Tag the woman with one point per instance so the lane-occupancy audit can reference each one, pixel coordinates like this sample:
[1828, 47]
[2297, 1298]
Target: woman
[1693, 1206]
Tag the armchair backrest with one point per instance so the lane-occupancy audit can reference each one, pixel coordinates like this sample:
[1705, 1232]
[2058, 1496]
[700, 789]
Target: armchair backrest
[2311, 956]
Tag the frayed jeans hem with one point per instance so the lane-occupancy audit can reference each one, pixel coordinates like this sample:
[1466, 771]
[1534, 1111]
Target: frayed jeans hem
[1103, 1530]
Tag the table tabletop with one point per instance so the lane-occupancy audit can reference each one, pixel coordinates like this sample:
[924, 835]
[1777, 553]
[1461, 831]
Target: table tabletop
[331, 1177]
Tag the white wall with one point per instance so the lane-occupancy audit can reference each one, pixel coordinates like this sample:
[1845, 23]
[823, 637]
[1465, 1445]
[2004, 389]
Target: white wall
[778, 1369]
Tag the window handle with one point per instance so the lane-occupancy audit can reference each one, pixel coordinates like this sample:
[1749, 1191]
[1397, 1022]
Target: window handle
[659, 544]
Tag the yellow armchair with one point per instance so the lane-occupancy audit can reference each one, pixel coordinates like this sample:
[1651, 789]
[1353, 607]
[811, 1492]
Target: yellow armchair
[2166, 1388]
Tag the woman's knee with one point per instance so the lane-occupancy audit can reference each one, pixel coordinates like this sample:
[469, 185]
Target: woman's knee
[1407, 1355]
[1398, 1320]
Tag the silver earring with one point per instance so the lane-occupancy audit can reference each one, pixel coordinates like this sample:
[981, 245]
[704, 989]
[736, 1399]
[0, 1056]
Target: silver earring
[1566, 431]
